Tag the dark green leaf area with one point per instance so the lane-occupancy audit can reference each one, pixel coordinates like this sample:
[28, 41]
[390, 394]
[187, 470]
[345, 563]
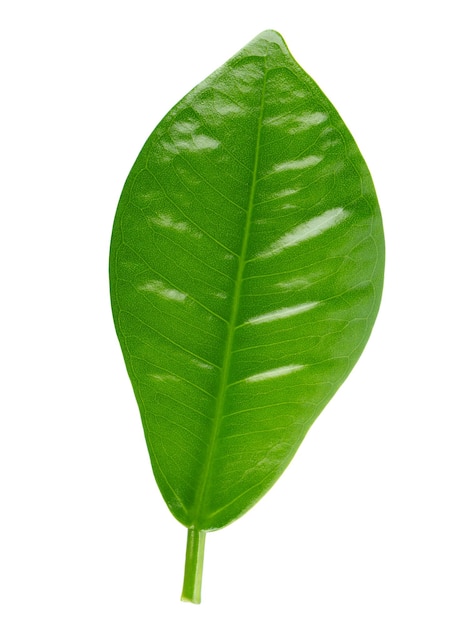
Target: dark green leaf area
[246, 274]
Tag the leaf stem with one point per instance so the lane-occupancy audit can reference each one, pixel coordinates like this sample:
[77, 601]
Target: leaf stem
[193, 566]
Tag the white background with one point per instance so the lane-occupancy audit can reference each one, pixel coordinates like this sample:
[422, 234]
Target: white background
[367, 526]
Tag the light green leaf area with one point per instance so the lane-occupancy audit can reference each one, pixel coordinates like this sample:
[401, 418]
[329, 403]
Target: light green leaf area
[246, 273]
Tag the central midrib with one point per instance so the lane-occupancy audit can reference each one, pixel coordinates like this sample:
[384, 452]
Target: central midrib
[225, 371]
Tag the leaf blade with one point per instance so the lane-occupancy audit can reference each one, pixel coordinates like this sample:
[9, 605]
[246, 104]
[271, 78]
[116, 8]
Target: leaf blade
[246, 272]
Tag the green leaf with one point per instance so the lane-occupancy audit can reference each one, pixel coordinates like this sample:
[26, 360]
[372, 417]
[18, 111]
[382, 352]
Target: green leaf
[246, 273]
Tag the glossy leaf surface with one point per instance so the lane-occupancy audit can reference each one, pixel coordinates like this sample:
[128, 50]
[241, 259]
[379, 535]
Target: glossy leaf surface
[246, 274]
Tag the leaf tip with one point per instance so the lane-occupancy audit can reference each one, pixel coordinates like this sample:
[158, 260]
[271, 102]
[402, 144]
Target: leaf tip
[271, 36]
